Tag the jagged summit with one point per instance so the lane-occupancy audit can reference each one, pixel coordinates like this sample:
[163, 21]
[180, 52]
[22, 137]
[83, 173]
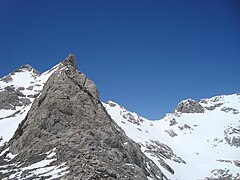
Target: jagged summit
[70, 60]
[69, 131]
[28, 68]
[24, 69]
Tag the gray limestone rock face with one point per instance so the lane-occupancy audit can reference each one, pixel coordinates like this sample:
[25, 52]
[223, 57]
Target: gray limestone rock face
[69, 117]
[189, 106]
[25, 101]
[9, 98]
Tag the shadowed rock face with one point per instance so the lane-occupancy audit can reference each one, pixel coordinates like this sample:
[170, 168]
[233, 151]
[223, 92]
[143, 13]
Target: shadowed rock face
[69, 117]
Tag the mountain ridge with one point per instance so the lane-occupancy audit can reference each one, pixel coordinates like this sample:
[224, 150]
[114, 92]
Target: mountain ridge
[182, 141]
[172, 142]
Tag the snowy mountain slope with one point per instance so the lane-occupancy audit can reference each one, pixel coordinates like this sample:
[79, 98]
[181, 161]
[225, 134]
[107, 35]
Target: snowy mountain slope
[189, 145]
[18, 89]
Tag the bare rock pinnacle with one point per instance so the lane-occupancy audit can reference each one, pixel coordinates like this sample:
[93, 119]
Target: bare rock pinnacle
[69, 118]
[70, 60]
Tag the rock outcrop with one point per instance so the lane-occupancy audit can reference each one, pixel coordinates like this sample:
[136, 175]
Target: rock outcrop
[189, 106]
[11, 97]
[6, 78]
[68, 126]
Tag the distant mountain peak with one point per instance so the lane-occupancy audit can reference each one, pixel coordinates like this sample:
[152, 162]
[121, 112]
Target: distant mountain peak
[26, 67]
[204, 133]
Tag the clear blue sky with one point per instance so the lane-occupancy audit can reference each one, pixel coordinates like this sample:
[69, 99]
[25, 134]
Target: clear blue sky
[147, 55]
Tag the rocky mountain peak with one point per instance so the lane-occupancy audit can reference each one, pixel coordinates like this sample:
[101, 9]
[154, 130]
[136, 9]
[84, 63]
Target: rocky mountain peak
[28, 68]
[68, 130]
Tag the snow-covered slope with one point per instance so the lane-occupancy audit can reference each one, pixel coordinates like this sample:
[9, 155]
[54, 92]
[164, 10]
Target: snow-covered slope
[189, 146]
[18, 90]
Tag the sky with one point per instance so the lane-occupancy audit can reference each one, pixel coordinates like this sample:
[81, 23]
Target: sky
[146, 55]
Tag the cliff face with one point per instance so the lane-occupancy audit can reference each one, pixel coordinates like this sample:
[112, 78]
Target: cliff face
[68, 134]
